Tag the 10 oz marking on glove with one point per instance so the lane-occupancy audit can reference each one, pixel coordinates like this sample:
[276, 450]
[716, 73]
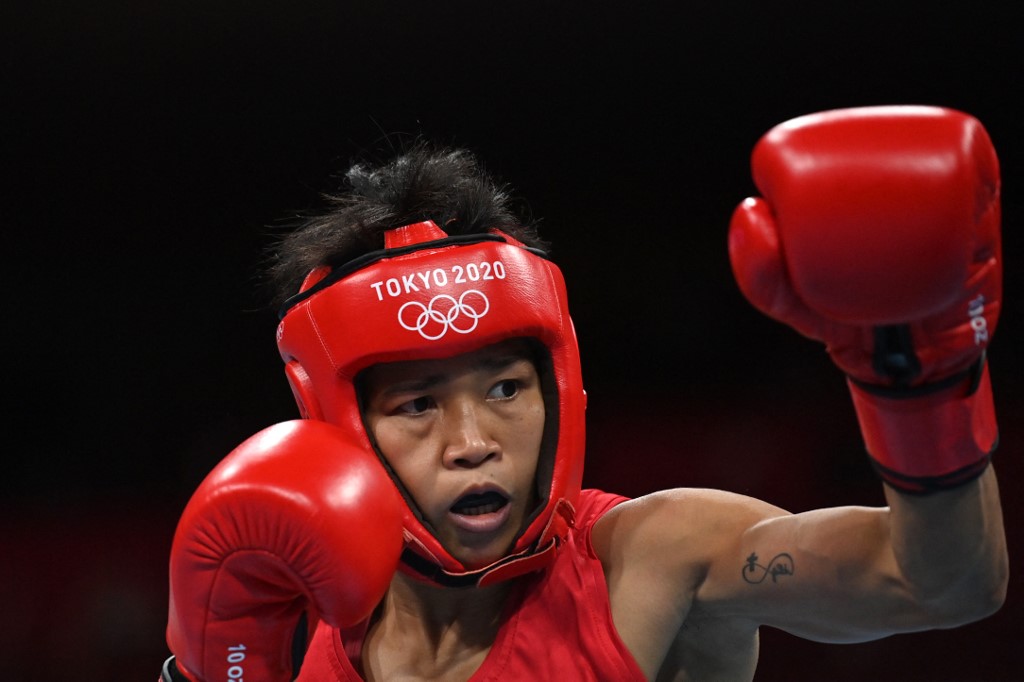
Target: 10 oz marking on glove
[236, 656]
[976, 309]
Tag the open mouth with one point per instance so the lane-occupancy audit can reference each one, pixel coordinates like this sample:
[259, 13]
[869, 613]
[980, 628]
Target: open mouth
[476, 504]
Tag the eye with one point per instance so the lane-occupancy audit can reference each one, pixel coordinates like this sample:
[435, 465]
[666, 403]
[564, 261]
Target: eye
[416, 405]
[503, 390]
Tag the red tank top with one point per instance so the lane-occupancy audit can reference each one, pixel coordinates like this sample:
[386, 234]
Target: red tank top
[558, 623]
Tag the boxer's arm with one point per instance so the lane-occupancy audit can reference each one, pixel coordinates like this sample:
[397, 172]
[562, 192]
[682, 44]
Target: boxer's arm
[878, 234]
[841, 574]
[950, 546]
[855, 573]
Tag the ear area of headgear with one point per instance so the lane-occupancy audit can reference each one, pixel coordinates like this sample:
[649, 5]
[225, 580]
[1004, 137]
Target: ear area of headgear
[298, 379]
[302, 391]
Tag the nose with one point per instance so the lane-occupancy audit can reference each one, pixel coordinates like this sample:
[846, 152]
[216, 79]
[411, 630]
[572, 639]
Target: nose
[468, 442]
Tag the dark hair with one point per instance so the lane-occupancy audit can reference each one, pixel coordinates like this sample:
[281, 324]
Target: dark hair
[425, 182]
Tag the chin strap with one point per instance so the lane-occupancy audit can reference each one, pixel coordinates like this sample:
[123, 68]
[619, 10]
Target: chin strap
[509, 567]
[525, 561]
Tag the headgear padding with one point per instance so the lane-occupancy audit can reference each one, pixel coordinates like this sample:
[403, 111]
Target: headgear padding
[430, 296]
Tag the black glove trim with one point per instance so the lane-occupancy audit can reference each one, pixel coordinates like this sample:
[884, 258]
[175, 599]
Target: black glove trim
[925, 485]
[902, 393]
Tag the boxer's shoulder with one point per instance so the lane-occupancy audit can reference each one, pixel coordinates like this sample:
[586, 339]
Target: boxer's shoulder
[657, 552]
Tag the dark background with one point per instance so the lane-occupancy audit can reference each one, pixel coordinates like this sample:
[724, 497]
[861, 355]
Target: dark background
[151, 149]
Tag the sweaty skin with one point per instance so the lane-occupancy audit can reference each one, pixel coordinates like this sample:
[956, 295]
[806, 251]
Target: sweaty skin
[687, 603]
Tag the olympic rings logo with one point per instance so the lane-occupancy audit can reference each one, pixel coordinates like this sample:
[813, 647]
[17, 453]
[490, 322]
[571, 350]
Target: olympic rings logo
[444, 312]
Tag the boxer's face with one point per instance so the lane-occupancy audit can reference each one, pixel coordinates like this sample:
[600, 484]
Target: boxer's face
[463, 434]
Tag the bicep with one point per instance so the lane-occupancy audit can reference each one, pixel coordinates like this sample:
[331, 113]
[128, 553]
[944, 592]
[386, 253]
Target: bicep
[827, 574]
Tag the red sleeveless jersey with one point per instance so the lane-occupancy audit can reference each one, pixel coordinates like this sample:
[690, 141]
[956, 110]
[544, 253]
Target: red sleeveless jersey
[558, 623]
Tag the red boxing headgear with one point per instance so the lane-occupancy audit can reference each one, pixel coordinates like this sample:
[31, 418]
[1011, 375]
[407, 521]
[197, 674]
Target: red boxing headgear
[430, 296]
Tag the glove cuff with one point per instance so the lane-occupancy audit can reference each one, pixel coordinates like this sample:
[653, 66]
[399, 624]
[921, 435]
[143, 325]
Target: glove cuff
[920, 441]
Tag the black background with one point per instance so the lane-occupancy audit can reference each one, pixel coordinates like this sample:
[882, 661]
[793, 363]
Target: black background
[150, 150]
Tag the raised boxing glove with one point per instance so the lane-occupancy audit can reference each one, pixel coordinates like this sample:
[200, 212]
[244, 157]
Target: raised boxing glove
[878, 233]
[298, 521]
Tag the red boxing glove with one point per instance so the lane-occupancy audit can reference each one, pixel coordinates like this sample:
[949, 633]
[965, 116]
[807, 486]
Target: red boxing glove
[297, 520]
[878, 234]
